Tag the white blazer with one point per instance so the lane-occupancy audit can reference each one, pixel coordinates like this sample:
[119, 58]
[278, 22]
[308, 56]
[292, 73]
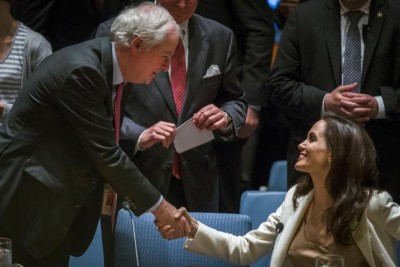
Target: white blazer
[376, 237]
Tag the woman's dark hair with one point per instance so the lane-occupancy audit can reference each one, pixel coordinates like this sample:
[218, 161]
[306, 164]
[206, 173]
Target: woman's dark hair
[351, 178]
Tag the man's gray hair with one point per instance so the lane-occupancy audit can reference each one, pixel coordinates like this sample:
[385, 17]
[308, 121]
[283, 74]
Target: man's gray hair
[148, 21]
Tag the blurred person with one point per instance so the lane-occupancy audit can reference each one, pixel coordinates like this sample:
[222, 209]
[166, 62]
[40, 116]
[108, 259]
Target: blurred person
[334, 210]
[317, 70]
[21, 51]
[65, 22]
[211, 97]
[252, 24]
[58, 146]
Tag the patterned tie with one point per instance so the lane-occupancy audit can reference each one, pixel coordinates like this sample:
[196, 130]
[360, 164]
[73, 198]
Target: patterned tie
[178, 84]
[352, 51]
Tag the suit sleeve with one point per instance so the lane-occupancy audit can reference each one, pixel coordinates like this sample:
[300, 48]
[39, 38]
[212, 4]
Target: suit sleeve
[255, 20]
[285, 86]
[81, 99]
[230, 97]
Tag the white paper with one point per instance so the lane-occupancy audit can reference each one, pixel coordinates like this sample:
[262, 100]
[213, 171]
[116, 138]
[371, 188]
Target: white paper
[189, 136]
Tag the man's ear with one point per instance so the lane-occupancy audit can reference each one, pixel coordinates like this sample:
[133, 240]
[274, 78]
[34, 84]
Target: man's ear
[136, 43]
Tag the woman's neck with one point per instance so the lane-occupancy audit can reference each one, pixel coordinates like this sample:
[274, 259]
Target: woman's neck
[322, 200]
[8, 25]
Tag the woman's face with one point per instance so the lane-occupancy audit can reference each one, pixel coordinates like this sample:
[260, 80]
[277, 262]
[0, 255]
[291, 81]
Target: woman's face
[314, 153]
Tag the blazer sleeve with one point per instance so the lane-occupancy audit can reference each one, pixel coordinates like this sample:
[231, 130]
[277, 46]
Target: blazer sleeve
[385, 213]
[81, 99]
[241, 250]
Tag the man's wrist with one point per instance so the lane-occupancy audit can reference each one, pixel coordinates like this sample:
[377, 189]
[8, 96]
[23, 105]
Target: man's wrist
[228, 120]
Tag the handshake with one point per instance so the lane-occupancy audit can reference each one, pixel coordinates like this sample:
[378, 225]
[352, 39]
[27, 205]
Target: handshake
[174, 223]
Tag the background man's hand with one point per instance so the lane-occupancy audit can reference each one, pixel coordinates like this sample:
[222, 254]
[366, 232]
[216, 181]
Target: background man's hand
[162, 131]
[250, 125]
[211, 118]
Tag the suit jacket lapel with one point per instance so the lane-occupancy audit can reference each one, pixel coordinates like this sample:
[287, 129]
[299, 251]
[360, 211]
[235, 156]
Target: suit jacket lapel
[106, 62]
[363, 240]
[377, 15]
[332, 34]
[164, 86]
[198, 47]
[291, 223]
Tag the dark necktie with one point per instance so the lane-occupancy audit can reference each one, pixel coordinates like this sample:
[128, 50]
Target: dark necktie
[352, 51]
[178, 84]
[109, 205]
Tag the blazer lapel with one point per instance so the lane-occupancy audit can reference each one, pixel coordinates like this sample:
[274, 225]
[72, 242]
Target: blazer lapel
[363, 241]
[332, 35]
[106, 62]
[198, 47]
[291, 222]
[164, 86]
[377, 15]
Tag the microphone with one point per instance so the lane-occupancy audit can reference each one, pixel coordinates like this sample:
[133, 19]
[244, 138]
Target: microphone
[278, 229]
[125, 205]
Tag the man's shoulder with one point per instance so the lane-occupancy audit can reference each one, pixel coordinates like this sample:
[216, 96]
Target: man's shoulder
[209, 24]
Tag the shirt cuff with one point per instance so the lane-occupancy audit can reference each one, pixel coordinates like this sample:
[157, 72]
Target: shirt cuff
[155, 206]
[323, 106]
[137, 147]
[381, 108]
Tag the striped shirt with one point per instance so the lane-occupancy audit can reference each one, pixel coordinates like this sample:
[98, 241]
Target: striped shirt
[12, 66]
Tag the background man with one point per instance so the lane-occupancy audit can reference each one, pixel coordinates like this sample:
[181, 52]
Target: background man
[311, 76]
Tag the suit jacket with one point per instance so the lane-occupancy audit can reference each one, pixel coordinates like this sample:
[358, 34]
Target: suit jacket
[57, 148]
[376, 238]
[251, 21]
[308, 66]
[209, 43]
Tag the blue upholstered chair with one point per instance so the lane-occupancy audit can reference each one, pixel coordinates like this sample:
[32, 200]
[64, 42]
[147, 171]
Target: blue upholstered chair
[150, 249]
[93, 256]
[258, 206]
[277, 180]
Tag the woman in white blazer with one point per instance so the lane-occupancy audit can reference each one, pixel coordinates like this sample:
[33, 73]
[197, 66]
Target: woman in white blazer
[333, 210]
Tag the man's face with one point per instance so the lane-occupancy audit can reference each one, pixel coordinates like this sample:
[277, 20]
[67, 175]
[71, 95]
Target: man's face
[181, 10]
[147, 62]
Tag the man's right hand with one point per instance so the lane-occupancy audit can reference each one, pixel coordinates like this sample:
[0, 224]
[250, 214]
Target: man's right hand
[162, 131]
[166, 215]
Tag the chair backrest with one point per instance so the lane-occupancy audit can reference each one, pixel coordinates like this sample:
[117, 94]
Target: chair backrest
[258, 206]
[153, 250]
[93, 256]
[277, 180]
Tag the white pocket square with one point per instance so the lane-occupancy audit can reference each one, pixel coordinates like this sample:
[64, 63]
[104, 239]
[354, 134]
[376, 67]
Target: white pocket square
[212, 71]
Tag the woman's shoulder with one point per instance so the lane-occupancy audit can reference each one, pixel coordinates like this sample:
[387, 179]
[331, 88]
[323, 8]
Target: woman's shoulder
[379, 199]
[35, 39]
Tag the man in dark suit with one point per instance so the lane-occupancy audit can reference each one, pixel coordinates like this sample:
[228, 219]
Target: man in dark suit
[58, 145]
[215, 101]
[307, 76]
[252, 23]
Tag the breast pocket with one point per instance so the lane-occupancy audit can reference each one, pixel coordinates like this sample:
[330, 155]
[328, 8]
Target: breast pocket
[213, 81]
